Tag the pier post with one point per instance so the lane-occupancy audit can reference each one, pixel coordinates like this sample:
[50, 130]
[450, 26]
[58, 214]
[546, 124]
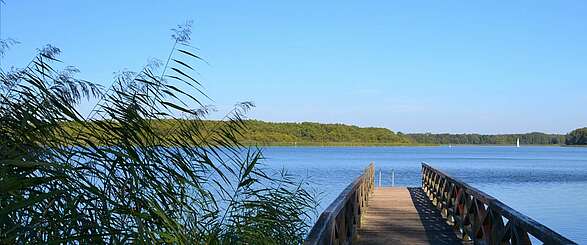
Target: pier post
[393, 177]
[380, 178]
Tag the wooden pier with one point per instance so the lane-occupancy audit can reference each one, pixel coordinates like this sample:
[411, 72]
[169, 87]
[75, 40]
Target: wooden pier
[443, 211]
[400, 215]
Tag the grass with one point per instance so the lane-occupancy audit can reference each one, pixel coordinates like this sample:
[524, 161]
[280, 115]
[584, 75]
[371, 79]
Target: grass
[114, 178]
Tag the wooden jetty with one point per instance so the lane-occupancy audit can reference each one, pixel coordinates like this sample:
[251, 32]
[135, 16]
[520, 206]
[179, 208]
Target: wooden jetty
[443, 211]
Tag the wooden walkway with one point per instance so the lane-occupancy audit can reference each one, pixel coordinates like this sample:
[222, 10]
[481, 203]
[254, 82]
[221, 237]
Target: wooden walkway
[403, 216]
[363, 214]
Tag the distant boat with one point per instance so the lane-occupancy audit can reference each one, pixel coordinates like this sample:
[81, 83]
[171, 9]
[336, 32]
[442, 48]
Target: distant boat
[449, 146]
[518, 143]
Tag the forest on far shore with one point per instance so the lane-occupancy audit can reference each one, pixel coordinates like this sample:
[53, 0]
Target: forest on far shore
[577, 137]
[310, 133]
[534, 138]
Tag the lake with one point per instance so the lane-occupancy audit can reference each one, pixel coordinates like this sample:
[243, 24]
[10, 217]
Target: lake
[549, 184]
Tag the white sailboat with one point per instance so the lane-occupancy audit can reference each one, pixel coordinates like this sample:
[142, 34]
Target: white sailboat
[518, 143]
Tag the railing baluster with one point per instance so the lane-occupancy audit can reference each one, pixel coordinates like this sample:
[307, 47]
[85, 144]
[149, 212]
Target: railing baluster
[338, 224]
[478, 216]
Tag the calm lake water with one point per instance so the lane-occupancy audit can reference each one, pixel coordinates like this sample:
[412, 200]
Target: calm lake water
[548, 184]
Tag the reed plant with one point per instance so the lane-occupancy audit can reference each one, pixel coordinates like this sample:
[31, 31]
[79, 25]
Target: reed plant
[116, 177]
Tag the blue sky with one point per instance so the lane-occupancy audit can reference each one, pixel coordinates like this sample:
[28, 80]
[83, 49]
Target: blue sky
[411, 66]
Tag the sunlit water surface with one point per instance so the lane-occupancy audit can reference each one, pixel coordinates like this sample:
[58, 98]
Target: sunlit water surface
[548, 184]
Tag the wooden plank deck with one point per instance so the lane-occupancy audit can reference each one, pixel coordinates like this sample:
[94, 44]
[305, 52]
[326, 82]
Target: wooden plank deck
[400, 215]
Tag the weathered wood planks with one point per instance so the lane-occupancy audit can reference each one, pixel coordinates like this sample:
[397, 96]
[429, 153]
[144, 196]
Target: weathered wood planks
[403, 216]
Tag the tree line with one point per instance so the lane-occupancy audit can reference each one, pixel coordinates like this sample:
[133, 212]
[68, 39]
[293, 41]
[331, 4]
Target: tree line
[311, 133]
[271, 133]
[577, 137]
[320, 134]
[534, 138]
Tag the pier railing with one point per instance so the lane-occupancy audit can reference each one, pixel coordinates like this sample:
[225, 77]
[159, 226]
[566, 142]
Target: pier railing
[480, 217]
[338, 224]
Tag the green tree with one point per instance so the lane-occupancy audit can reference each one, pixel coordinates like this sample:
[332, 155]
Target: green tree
[577, 137]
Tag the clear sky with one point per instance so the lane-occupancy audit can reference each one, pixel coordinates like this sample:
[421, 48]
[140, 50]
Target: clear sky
[411, 66]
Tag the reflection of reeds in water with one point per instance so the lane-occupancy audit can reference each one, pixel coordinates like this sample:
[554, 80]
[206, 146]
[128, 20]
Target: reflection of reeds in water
[114, 177]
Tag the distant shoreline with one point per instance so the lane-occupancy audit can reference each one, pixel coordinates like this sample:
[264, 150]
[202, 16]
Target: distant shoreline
[355, 144]
[262, 133]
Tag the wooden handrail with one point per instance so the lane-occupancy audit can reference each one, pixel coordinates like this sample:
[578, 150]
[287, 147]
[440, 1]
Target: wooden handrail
[338, 224]
[479, 217]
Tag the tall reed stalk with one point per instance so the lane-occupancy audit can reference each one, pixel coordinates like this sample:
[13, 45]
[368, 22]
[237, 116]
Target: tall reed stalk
[141, 168]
